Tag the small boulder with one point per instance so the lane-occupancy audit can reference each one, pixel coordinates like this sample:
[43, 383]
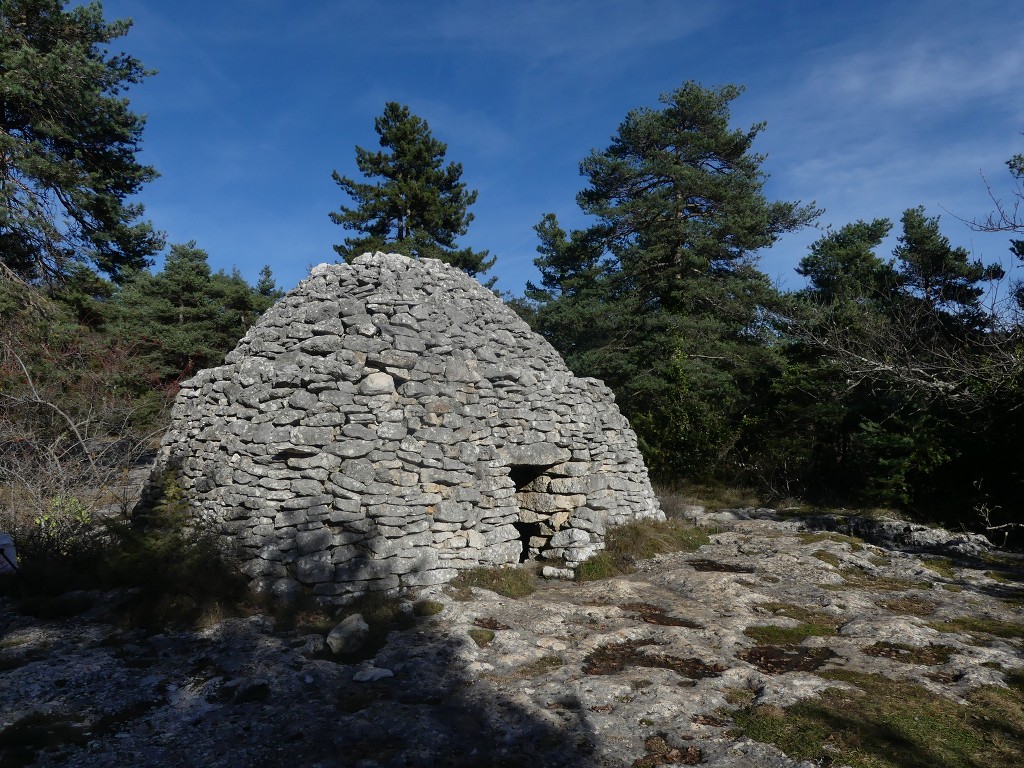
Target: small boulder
[371, 674]
[349, 636]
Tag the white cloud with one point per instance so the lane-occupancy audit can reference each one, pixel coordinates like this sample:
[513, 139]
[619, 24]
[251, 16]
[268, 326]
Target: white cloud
[924, 74]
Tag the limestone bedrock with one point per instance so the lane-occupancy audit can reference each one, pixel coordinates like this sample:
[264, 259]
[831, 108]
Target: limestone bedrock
[390, 422]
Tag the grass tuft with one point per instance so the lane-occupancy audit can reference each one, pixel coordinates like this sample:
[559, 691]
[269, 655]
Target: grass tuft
[773, 634]
[892, 724]
[855, 578]
[940, 565]
[980, 625]
[425, 608]
[712, 497]
[908, 606]
[540, 666]
[626, 544]
[482, 637]
[508, 582]
[929, 655]
[856, 543]
[827, 557]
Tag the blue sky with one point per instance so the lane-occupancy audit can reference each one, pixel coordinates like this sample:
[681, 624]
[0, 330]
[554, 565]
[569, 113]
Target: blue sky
[872, 107]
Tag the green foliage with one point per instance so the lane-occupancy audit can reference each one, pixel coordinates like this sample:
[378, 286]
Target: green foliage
[67, 373]
[941, 565]
[604, 565]
[827, 557]
[541, 666]
[482, 637]
[856, 544]
[842, 266]
[417, 206]
[63, 526]
[187, 317]
[888, 376]
[980, 625]
[941, 276]
[69, 143]
[178, 565]
[425, 608]
[661, 297]
[76, 409]
[712, 496]
[855, 578]
[177, 568]
[773, 634]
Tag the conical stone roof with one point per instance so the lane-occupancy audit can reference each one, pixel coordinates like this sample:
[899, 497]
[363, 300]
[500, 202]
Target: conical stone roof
[390, 422]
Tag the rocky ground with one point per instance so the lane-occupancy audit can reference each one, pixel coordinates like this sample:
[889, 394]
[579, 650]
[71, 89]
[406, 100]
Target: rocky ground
[630, 671]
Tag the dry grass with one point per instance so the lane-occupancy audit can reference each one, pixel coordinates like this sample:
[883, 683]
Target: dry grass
[930, 655]
[856, 544]
[640, 540]
[508, 582]
[711, 497]
[908, 606]
[884, 723]
[855, 578]
[827, 557]
[980, 625]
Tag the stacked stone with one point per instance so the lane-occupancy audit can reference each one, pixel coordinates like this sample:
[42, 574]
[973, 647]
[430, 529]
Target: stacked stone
[390, 422]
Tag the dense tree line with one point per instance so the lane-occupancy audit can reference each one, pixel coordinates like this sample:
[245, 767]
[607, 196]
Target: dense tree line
[888, 379]
[93, 341]
[884, 381]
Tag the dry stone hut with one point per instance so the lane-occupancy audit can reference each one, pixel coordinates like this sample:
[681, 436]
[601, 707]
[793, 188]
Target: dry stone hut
[390, 422]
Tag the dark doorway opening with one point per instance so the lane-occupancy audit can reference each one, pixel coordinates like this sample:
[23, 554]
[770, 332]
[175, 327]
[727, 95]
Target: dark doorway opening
[534, 531]
[524, 474]
[529, 534]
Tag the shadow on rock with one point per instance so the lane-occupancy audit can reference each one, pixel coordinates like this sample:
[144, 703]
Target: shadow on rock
[89, 694]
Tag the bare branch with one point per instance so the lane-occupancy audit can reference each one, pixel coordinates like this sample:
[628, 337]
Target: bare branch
[966, 372]
[37, 399]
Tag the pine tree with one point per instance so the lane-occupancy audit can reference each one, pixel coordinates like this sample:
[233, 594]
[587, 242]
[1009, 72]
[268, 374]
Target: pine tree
[895, 365]
[661, 296]
[185, 317]
[842, 265]
[68, 145]
[417, 206]
[939, 275]
[266, 288]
